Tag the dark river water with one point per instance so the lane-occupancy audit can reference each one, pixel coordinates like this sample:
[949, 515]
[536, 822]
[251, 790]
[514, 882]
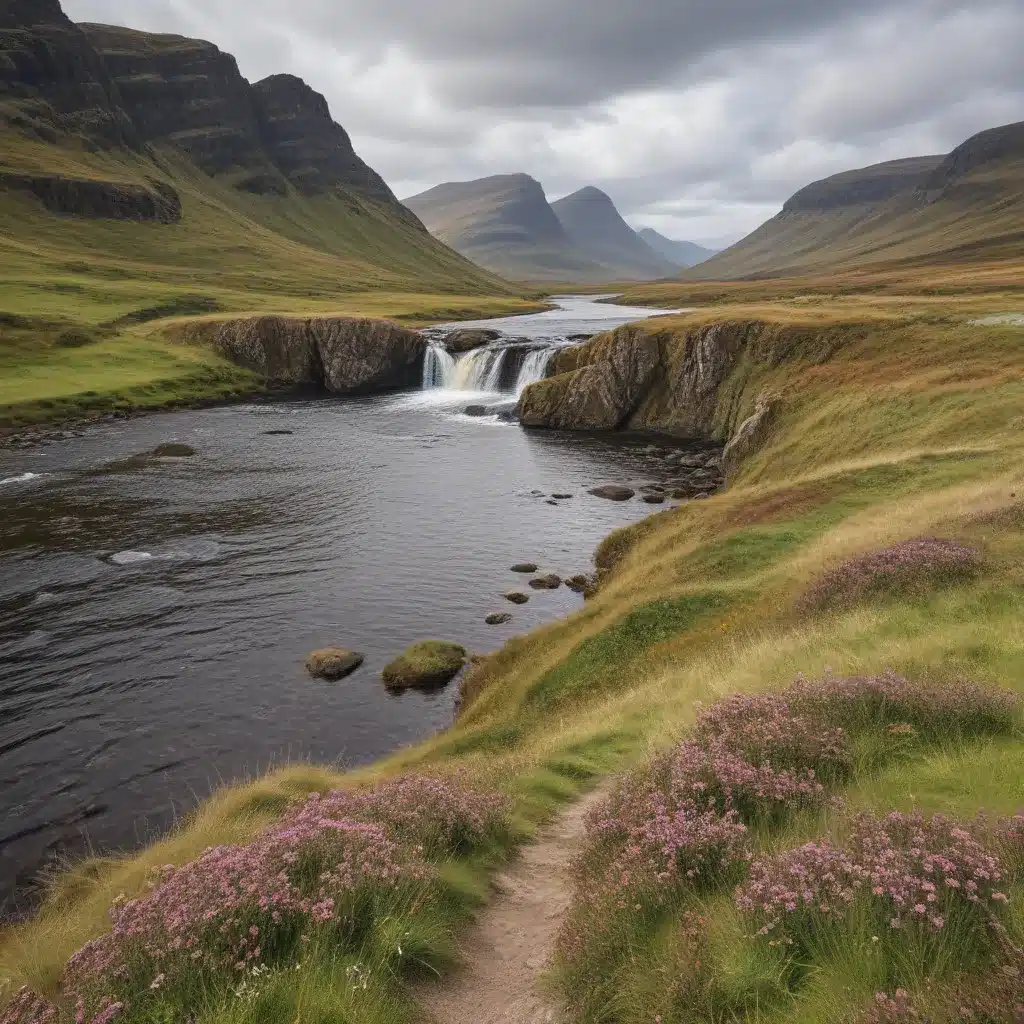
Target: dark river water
[155, 614]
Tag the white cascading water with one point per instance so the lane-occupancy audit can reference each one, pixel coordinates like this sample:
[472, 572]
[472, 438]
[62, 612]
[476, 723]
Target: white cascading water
[534, 368]
[481, 369]
[438, 367]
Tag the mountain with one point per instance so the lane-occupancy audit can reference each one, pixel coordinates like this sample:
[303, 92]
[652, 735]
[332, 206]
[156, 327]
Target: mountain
[964, 206]
[682, 254]
[505, 223]
[144, 158]
[596, 228]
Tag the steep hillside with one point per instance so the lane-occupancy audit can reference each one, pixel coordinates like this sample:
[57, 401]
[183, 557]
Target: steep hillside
[682, 254]
[505, 224]
[966, 206]
[134, 163]
[596, 228]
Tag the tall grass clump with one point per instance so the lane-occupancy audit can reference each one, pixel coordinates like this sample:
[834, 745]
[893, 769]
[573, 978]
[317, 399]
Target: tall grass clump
[910, 568]
[339, 874]
[681, 833]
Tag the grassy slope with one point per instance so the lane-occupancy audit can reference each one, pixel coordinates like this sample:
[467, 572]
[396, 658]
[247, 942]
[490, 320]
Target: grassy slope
[913, 427]
[232, 251]
[980, 217]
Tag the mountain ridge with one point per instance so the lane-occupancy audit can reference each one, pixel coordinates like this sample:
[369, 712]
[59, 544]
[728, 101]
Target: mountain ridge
[506, 224]
[682, 253]
[967, 204]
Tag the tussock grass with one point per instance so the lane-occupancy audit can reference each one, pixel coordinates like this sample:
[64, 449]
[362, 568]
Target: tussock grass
[910, 427]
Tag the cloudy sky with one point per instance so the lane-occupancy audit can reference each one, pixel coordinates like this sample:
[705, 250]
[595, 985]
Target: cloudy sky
[698, 117]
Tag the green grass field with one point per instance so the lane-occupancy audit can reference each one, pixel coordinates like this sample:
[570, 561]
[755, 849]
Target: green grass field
[910, 427]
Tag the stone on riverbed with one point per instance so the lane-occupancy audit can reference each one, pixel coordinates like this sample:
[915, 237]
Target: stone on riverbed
[654, 498]
[426, 664]
[476, 410]
[525, 567]
[498, 618]
[549, 582]
[173, 451]
[333, 663]
[517, 597]
[613, 492]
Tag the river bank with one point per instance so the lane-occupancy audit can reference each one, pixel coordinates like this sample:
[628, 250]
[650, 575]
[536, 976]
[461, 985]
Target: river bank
[876, 441]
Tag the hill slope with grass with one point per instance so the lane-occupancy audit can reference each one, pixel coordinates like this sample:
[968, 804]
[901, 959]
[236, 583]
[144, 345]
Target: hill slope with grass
[143, 178]
[967, 206]
[870, 541]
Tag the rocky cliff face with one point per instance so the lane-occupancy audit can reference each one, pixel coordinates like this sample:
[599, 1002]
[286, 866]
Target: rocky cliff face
[113, 86]
[52, 82]
[156, 201]
[987, 147]
[696, 383]
[303, 141]
[186, 92]
[864, 186]
[341, 354]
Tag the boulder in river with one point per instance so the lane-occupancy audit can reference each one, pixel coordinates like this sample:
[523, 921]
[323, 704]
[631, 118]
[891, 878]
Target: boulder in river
[278, 433]
[653, 498]
[562, 497]
[613, 492]
[333, 663]
[174, 451]
[517, 597]
[475, 410]
[548, 582]
[426, 664]
[468, 338]
[524, 567]
[498, 618]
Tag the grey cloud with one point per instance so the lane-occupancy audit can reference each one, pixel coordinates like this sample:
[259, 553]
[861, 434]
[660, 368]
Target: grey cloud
[699, 117]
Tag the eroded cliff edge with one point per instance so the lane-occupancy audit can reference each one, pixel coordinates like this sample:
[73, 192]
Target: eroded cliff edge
[705, 381]
[343, 355]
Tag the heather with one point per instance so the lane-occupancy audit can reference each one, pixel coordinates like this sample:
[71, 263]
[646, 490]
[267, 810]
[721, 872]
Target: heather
[907, 569]
[702, 823]
[352, 872]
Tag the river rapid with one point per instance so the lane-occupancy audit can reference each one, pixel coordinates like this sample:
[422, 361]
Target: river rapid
[155, 613]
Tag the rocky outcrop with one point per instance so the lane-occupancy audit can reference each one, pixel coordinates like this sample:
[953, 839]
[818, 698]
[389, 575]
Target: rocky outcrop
[601, 391]
[301, 139]
[343, 355]
[698, 382]
[367, 355]
[53, 83]
[156, 201]
[185, 92]
[752, 434]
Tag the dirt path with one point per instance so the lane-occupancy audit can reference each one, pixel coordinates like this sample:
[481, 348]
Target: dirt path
[508, 948]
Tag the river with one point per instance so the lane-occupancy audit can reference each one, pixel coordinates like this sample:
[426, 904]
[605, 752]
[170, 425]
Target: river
[155, 613]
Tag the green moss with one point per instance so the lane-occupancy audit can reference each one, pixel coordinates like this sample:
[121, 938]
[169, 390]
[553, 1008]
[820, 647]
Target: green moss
[425, 664]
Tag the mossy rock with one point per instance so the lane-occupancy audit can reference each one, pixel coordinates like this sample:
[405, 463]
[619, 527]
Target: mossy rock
[517, 597]
[549, 582]
[498, 618]
[525, 567]
[333, 663]
[426, 664]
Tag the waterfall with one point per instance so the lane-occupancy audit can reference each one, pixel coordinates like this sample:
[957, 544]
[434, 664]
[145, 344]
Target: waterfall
[479, 370]
[490, 368]
[534, 367]
[438, 367]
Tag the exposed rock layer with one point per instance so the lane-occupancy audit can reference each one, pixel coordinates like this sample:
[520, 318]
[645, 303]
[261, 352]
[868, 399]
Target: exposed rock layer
[86, 198]
[341, 354]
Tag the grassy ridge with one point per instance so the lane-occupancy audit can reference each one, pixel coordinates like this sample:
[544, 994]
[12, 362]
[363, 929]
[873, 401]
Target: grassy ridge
[911, 426]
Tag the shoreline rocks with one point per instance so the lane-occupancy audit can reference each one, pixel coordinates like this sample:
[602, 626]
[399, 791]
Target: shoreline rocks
[525, 567]
[549, 582]
[613, 492]
[498, 618]
[517, 597]
[333, 663]
[425, 665]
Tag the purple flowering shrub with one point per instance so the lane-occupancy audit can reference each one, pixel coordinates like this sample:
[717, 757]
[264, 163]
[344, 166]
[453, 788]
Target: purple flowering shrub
[905, 872]
[324, 875]
[860, 703]
[909, 568]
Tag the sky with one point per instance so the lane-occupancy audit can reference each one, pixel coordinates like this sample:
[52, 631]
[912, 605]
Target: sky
[698, 117]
